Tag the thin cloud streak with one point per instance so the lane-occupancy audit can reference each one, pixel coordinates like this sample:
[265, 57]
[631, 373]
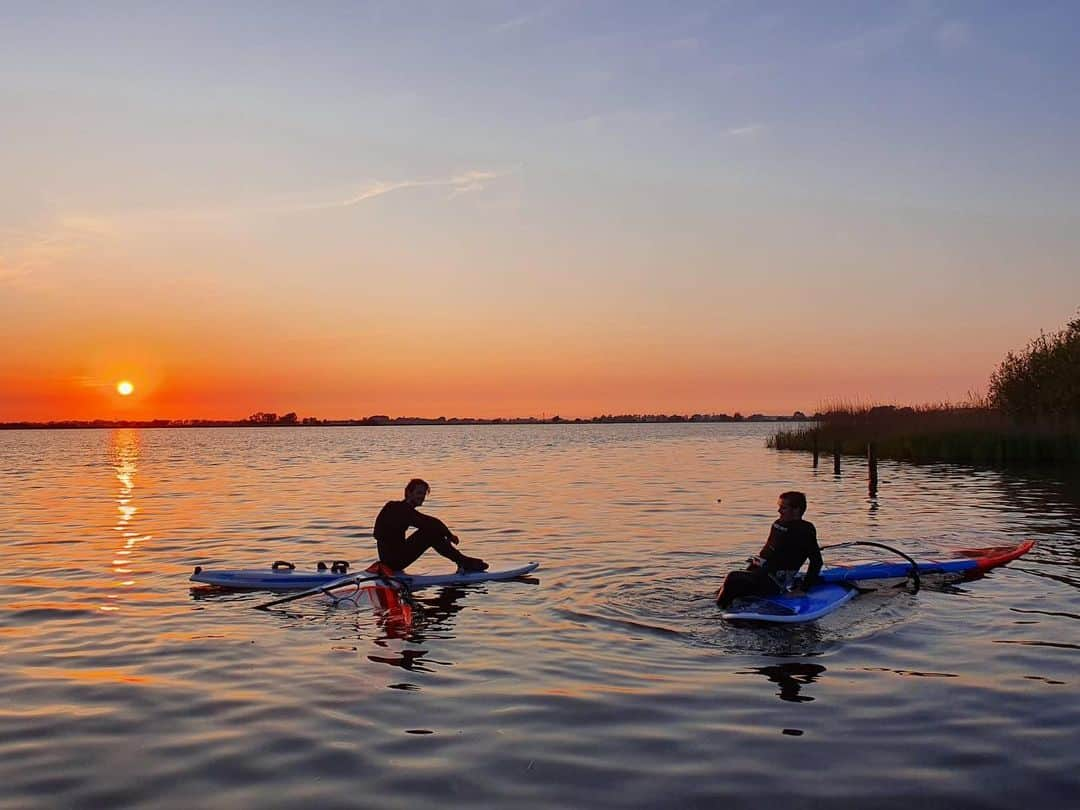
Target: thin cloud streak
[27, 254]
[464, 183]
[84, 381]
[917, 23]
[523, 21]
[746, 131]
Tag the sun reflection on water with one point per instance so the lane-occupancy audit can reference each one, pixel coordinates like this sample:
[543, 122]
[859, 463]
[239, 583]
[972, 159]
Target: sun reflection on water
[125, 446]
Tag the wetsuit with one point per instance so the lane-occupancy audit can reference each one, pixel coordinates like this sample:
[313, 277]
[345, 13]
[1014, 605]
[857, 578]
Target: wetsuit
[398, 551]
[790, 544]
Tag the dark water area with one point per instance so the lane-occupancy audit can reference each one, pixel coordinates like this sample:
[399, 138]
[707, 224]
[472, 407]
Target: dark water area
[609, 680]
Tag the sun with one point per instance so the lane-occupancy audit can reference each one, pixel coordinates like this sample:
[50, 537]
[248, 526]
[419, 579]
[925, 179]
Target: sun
[125, 388]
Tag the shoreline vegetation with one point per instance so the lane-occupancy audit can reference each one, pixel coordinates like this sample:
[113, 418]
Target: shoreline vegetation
[1031, 415]
[265, 420]
[966, 434]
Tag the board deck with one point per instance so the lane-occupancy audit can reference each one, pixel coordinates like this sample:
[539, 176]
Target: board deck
[975, 562]
[792, 608]
[265, 579]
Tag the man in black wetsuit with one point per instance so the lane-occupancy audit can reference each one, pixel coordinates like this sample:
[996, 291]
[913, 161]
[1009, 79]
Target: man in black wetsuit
[792, 541]
[398, 551]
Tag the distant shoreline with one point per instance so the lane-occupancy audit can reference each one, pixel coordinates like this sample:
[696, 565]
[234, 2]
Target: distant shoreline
[270, 420]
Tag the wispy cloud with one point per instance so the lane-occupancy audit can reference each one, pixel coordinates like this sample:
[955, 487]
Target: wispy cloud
[915, 24]
[747, 131]
[459, 184]
[470, 182]
[873, 42]
[25, 253]
[376, 189]
[518, 23]
[514, 24]
[30, 253]
[84, 381]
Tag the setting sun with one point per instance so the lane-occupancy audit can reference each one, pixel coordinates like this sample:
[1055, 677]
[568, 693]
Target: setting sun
[124, 388]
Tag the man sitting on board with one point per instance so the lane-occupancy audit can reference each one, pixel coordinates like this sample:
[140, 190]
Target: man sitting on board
[397, 551]
[792, 541]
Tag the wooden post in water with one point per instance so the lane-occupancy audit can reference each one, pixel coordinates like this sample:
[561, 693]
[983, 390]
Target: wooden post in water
[815, 449]
[836, 458]
[871, 459]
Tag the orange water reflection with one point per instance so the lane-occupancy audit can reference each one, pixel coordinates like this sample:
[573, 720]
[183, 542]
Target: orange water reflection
[125, 447]
[87, 675]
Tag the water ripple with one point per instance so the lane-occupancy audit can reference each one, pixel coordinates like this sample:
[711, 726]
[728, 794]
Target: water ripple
[609, 680]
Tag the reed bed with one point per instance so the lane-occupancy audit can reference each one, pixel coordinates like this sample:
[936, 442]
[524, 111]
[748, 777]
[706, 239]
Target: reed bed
[973, 434]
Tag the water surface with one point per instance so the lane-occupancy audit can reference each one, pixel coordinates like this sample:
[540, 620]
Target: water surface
[610, 681]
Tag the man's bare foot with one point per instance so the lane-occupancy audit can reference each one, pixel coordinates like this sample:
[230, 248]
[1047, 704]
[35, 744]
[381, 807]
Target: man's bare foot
[471, 564]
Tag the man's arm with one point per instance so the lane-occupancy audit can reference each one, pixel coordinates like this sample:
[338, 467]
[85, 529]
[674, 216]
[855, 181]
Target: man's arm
[422, 521]
[763, 555]
[814, 553]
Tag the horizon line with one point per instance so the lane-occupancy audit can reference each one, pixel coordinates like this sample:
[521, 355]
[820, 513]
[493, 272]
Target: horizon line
[376, 420]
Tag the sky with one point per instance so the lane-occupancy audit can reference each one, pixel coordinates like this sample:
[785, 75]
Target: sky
[529, 208]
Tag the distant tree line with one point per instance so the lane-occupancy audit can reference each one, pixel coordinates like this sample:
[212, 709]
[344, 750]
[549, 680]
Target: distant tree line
[272, 419]
[261, 418]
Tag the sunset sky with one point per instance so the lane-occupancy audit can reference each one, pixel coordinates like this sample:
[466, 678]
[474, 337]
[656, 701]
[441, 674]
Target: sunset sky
[509, 209]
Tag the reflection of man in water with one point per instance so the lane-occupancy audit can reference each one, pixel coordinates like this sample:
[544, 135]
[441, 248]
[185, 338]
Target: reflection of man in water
[398, 551]
[431, 611]
[792, 678]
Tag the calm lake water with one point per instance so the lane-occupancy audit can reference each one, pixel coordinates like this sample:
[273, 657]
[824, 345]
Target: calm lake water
[609, 681]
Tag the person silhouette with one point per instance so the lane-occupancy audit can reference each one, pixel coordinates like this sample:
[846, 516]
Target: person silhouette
[397, 552]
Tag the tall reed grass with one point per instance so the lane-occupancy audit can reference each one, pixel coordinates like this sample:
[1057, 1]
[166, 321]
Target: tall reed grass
[972, 433]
